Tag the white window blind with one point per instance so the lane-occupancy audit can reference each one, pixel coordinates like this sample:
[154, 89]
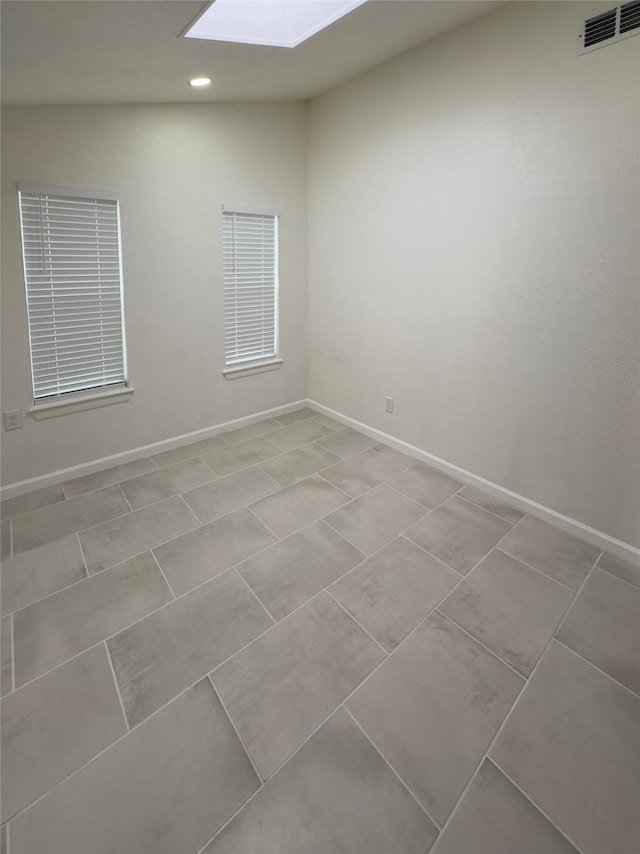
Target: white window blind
[72, 265]
[250, 245]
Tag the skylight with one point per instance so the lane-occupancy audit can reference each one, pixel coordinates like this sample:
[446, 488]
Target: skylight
[274, 23]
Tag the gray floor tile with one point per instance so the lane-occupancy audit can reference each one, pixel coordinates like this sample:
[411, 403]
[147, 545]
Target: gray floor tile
[375, 518]
[391, 592]
[164, 788]
[5, 656]
[70, 621]
[282, 686]
[107, 477]
[426, 485]
[136, 532]
[300, 433]
[66, 517]
[550, 550]
[208, 551]
[361, 472]
[298, 505]
[162, 483]
[335, 794]
[346, 442]
[397, 457]
[232, 437]
[298, 464]
[293, 570]
[241, 456]
[296, 415]
[5, 539]
[603, 626]
[31, 501]
[229, 493]
[188, 452]
[328, 422]
[433, 708]
[160, 656]
[56, 724]
[572, 745]
[505, 511]
[39, 572]
[494, 817]
[3, 839]
[459, 533]
[511, 609]
[622, 568]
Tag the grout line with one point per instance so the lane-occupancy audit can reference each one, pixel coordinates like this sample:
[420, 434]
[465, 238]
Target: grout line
[366, 678]
[475, 639]
[350, 615]
[117, 687]
[13, 658]
[510, 531]
[389, 457]
[497, 500]
[439, 559]
[578, 592]
[259, 466]
[237, 732]
[344, 700]
[531, 801]
[365, 558]
[527, 682]
[617, 577]
[255, 595]
[389, 765]
[171, 590]
[333, 486]
[236, 653]
[125, 497]
[86, 572]
[425, 510]
[599, 669]
[262, 522]
[108, 747]
[535, 569]
[484, 509]
[160, 500]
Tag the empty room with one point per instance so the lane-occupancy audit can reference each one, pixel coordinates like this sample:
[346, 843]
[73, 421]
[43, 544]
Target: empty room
[320, 440]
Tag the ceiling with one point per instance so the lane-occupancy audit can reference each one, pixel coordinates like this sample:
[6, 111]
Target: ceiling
[129, 51]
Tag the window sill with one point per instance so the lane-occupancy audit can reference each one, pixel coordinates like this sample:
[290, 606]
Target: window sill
[236, 373]
[43, 411]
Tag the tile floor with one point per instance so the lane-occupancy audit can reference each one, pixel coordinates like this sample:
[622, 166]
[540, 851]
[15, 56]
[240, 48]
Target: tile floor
[289, 638]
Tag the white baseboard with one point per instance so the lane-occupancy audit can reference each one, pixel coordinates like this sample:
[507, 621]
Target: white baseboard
[565, 523]
[62, 475]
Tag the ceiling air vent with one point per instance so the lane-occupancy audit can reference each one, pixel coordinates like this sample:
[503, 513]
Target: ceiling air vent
[609, 27]
[629, 17]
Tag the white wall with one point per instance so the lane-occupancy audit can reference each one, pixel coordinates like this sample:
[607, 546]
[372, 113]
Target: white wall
[174, 166]
[474, 253]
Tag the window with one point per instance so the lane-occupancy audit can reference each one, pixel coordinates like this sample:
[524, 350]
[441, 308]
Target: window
[250, 246]
[73, 278]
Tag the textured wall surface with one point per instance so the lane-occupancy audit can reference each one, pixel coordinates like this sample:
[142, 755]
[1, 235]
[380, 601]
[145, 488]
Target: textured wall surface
[174, 166]
[474, 253]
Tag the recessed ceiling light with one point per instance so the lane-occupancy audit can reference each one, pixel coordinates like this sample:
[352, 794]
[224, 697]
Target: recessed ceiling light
[198, 82]
[273, 23]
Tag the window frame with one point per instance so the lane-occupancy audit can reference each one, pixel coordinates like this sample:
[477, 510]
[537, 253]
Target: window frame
[263, 362]
[90, 396]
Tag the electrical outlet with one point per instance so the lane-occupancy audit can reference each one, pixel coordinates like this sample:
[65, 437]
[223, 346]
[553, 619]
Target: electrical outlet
[13, 420]
[388, 404]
